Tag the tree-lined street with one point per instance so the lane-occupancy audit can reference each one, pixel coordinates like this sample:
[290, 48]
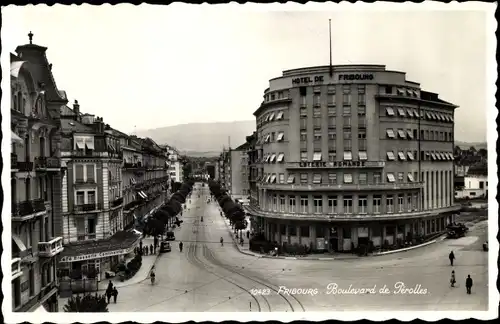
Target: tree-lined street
[209, 277]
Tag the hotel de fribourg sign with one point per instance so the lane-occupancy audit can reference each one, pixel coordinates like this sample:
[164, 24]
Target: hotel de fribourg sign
[339, 164]
[99, 255]
[319, 79]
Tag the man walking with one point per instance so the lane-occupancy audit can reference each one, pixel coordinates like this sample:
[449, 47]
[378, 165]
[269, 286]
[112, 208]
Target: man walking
[468, 284]
[451, 257]
[115, 294]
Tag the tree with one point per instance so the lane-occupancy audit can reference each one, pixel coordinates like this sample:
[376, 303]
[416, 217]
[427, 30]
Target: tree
[86, 304]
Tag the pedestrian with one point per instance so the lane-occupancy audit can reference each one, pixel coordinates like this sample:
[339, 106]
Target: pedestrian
[145, 250]
[452, 279]
[248, 234]
[108, 294]
[115, 294]
[468, 284]
[451, 257]
[110, 286]
[151, 249]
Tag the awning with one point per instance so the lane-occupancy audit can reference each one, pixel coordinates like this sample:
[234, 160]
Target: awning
[19, 243]
[16, 139]
[144, 195]
[80, 143]
[89, 142]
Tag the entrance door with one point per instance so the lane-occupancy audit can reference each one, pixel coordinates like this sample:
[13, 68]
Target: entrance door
[334, 239]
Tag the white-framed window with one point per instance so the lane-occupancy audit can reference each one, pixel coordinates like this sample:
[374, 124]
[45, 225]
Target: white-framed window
[414, 201]
[304, 204]
[390, 177]
[275, 202]
[347, 205]
[401, 177]
[362, 204]
[282, 203]
[377, 177]
[363, 178]
[304, 178]
[317, 156]
[347, 178]
[318, 204]
[377, 201]
[317, 178]
[282, 177]
[303, 156]
[332, 178]
[332, 205]
[347, 155]
[291, 204]
[409, 204]
[401, 203]
[389, 204]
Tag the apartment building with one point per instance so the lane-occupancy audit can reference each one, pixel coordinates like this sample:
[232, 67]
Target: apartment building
[35, 180]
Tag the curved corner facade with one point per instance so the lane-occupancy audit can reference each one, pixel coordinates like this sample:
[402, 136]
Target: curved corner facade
[349, 155]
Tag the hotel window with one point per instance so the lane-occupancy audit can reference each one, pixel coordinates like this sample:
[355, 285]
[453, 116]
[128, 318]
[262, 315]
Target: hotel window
[362, 155]
[303, 156]
[317, 135]
[347, 205]
[401, 177]
[317, 178]
[377, 177]
[317, 156]
[91, 197]
[401, 133]
[303, 136]
[361, 121]
[401, 203]
[389, 204]
[273, 96]
[402, 156]
[390, 133]
[347, 139]
[318, 204]
[304, 202]
[361, 140]
[281, 157]
[291, 204]
[390, 156]
[414, 201]
[317, 112]
[317, 100]
[332, 122]
[291, 179]
[303, 91]
[362, 204]
[390, 177]
[90, 173]
[332, 135]
[317, 122]
[377, 200]
[388, 89]
[389, 111]
[275, 202]
[347, 178]
[332, 111]
[346, 95]
[280, 137]
[282, 178]
[282, 203]
[346, 111]
[303, 178]
[347, 121]
[331, 99]
[363, 178]
[410, 156]
[79, 173]
[401, 112]
[410, 177]
[273, 135]
[361, 95]
[415, 176]
[80, 198]
[347, 156]
[332, 205]
[303, 123]
[303, 112]
[280, 95]
[331, 88]
[332, 156]
[409, 203]
[332, 178]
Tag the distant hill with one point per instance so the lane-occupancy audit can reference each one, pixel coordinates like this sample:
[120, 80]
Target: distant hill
[466, 146]
[202, 139]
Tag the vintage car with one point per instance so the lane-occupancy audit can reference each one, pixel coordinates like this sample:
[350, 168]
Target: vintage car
[165, 247]
[170, 236]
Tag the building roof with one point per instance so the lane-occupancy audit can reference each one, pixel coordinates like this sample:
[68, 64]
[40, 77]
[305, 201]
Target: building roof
[121, 240]
[68, 125]
[243, 147]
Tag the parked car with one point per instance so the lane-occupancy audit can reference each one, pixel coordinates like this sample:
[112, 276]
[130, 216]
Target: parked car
[165, 247]
[170, 236]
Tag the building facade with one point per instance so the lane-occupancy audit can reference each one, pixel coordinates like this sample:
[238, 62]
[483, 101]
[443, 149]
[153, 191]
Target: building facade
[35, 180]
[175, 164]
[238, 159]
[357, 155]
[475, 184]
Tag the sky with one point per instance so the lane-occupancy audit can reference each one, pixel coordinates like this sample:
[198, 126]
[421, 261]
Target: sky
[143, 67]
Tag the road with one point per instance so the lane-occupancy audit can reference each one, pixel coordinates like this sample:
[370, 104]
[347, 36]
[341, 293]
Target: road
[208, 277]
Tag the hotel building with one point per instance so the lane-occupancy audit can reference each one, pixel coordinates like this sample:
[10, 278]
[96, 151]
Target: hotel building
[35, 180]
[349, 155]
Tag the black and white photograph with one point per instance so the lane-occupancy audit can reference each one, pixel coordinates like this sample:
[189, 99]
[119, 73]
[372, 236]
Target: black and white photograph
[195, 162]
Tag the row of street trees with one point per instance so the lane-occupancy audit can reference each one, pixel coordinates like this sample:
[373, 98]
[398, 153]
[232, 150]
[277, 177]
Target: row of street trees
[231, 210]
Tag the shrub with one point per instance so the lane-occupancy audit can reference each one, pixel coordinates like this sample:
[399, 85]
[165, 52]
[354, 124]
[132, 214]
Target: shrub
[86, 304]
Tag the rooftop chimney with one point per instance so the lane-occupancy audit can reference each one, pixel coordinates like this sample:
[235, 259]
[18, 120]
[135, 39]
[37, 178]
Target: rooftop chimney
[76, 109]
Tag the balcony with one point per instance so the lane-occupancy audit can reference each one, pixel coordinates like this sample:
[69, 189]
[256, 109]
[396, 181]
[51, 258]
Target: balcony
[51, 248]
[28, 209]
[342, 187]
[335, 165]
[116, 203]
[24, 166]
[47, 164]
[84, 208]
[16, 268]
[85, 181]
[13, 162]
[128, 165]
[87, 153]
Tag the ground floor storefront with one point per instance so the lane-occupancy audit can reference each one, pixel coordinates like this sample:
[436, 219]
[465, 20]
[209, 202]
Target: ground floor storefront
[346, 236]
[83, 266]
